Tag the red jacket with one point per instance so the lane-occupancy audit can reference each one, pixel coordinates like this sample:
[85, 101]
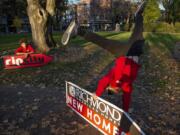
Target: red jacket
[24, 50]
[125, 71]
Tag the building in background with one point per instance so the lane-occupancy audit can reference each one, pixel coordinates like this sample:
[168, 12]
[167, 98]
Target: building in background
[83, 12]
[95, 14]
[101, 15]
[3, 24]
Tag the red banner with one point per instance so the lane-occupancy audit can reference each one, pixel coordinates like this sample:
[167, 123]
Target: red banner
[104, 116]
[21, 61]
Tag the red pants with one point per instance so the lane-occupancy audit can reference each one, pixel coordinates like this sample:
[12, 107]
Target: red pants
[103, 84]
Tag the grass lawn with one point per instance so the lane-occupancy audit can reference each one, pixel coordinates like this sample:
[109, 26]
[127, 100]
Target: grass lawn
[11, 41]
[156, 44]
[155, 90]
[168, 40]
[157, 39]
[8, 42]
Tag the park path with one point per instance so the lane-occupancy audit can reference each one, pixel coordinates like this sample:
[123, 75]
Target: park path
[32, 101]
[25, 111]
[43, 111]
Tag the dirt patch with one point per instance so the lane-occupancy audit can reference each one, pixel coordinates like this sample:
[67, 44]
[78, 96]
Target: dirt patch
[177, 51]
[32, 101]
[70, 54]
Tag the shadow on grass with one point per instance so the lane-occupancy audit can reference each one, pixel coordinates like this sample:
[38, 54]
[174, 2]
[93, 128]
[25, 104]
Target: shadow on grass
[164, 42]
[80, 41]
[109, 34]
[152, 70]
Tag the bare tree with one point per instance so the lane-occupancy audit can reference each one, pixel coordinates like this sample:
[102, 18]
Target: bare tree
[40, 20]
[117, 47]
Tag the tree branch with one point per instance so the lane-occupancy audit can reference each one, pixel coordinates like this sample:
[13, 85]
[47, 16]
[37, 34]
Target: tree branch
[50, 7]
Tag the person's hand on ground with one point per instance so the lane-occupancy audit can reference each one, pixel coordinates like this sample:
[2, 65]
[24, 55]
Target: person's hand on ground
[113, 89]
[95, 97]
[26, 55]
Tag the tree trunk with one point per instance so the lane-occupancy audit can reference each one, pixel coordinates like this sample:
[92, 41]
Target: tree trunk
[40, 20]
[50, 8]
[49, 35]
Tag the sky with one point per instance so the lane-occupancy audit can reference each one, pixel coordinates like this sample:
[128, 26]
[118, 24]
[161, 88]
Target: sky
[73, 1]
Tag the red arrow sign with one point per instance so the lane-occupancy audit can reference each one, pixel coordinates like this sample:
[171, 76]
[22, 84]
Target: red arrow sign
[20, 61]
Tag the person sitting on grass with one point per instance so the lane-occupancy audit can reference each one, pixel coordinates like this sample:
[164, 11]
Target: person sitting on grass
[24, 49]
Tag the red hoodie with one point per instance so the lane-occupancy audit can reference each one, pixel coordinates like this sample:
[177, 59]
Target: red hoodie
[125, 71]
[24, 50]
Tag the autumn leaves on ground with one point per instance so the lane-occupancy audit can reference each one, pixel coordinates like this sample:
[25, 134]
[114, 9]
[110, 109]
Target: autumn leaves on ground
[32, 100]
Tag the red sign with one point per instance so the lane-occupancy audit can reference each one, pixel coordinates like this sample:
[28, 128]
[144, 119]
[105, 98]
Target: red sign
[104, 116]
[20, 61]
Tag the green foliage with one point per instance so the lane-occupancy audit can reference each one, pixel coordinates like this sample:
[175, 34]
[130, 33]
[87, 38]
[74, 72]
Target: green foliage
[177, 27]
[120, 9]
[162, 27]
[151, 12]
[17, 22]
[158, 27]
[13, 8]
[172, 10]
[165, 27]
